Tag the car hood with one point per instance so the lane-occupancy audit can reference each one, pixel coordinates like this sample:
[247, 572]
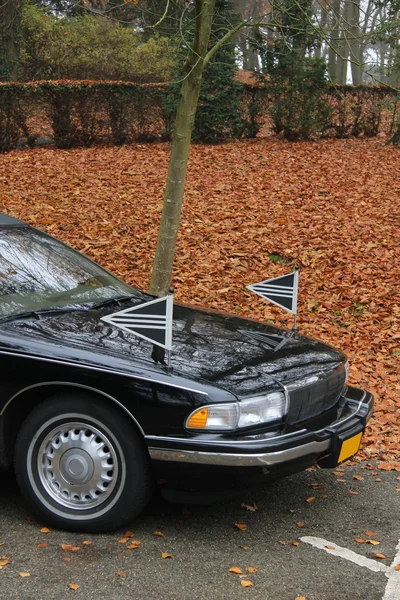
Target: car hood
[241, 356]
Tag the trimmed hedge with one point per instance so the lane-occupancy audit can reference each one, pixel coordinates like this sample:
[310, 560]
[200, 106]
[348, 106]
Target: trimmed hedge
[83, 113]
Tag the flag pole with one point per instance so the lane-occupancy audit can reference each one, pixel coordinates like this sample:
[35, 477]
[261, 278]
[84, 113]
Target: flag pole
[295, 290]
[170, 305]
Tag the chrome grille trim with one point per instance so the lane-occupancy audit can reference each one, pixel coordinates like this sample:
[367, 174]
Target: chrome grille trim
[320, 397]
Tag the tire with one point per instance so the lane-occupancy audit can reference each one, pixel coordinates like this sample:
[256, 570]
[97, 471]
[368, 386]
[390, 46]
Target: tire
[82, 465]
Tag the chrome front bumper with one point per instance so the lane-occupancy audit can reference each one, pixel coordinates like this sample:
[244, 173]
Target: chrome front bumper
[267, 451]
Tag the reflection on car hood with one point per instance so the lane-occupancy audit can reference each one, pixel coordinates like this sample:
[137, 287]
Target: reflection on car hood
[241, 356]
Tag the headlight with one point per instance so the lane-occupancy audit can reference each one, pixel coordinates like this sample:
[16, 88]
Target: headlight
[229, 416]
[262, 409]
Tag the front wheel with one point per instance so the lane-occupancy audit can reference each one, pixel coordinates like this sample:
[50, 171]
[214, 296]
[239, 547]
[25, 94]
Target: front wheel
[82, 465]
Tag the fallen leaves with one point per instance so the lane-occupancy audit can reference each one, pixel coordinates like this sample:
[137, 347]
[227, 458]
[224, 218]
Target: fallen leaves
[251, 569]
[250, 507]
[166, 555]
[305, 208]
[70, 548]
[291, 543]
[74, 586]
[246, 583]
[241, 526]
[236, 570]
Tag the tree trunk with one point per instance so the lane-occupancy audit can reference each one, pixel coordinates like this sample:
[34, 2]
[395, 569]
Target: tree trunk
[334, 40]
[355, 42]
[10, 18]
[184, 121]
[344, 46]
[322, 27]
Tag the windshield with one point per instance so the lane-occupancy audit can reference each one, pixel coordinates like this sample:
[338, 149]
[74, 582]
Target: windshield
[37, 272]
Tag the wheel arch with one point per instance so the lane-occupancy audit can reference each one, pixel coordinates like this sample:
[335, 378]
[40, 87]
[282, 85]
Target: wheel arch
[12, 416]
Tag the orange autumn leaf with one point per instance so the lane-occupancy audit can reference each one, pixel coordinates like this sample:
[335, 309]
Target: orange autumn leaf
[44, 545]
[166, 555]
[158, 533]
[133, 545]
[251, 569]
[241, 526]
[250, 507]
[24, 574]
[45, 530]
[74, 586]
[70, 548]
[381, 556]
[384, 466]
[128, 534]
[246, 583]
[310, 499]
[236, 570]
[121, 573]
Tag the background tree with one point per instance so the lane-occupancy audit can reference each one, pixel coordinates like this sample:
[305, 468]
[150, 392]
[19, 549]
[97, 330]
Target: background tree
[10, 36]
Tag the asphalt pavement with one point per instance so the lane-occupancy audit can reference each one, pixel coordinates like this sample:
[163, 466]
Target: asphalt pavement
[313, 535]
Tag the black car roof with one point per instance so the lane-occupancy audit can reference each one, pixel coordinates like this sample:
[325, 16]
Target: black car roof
[7, 220]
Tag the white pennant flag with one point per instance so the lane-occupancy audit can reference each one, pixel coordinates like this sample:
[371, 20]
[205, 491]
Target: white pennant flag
[281, 291]
[151, 321]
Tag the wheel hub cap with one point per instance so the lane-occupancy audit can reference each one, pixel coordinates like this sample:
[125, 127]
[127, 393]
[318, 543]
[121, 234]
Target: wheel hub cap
[78, 465]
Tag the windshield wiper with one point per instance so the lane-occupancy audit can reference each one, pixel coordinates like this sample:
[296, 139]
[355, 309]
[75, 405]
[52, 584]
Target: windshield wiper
[112, 300]
[26, 314]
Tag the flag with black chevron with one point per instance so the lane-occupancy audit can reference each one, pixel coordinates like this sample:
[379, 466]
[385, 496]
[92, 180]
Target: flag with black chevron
[151, 321]
[281, 291]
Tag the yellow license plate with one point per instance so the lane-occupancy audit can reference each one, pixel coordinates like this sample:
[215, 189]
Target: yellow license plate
[350, 447]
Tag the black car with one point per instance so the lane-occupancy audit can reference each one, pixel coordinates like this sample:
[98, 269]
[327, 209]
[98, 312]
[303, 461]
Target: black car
[92, 417]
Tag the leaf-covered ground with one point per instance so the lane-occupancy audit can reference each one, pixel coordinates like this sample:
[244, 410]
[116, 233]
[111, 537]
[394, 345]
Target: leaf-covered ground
[252, 211]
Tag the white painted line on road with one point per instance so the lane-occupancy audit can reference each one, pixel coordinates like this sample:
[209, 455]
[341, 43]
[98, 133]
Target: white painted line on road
[361, 561]
[392, 591]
